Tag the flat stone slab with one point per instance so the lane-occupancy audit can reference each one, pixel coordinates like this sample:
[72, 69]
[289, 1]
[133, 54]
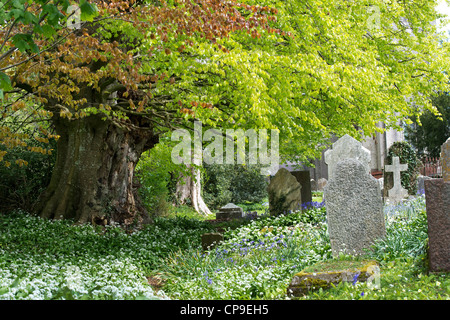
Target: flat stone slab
[325, 274]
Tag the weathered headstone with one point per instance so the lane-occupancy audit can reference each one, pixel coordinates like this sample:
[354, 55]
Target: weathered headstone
[381, 182]
[397, 193]
[437, 195]
[321, 183]
[313, 185]
[346, 147]
[210, 240]
[421, 183]
[230, 211]
[305, 181]
[284, 193]
[354, 208]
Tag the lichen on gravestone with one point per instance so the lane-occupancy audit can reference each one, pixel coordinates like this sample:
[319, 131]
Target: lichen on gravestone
[326, 276]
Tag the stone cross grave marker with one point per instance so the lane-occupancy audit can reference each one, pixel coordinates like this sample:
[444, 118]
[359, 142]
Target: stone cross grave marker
[354, 208]
[397, 193]
[346, 147]
[437, 196]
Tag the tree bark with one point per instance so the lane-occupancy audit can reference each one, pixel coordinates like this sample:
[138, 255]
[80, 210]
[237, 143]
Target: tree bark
[189, 187]
[93, 176]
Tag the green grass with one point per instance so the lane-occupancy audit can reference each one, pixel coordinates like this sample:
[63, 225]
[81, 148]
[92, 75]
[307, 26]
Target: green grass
[41, 259]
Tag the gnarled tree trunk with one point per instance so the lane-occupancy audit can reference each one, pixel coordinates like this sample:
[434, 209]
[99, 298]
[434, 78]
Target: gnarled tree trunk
[93, 176]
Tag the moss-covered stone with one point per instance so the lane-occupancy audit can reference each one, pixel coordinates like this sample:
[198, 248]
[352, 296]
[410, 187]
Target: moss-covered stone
[325, 274]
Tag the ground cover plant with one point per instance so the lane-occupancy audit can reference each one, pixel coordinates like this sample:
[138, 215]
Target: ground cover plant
[41, 259]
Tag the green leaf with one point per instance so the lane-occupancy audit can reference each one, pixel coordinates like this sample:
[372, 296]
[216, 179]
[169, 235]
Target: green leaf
[88, 11]
[17, 4]
[5, 82]
[28, 17]
[48, 30]
[20, 42]
[53, 13]
[16, 13]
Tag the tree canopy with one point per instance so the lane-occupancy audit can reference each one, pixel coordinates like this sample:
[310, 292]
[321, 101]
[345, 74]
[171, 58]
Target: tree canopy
[429, 132]
[306, 68]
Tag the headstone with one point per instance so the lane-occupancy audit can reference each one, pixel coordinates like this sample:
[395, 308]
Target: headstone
[346, 147]
[230, 211]
[354, 208]
[397, 193]
[284, 193]
[210, 240]
[381, 182]
[321, 183]
[421, 182]
[313, 185]
[437, 196]
[305, 181]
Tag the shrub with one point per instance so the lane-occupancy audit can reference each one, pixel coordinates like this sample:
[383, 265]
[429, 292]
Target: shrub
[21, 185]
[224, 183]
[156, 173]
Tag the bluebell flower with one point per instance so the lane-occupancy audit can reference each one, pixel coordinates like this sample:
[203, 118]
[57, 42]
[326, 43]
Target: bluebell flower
[355, 278]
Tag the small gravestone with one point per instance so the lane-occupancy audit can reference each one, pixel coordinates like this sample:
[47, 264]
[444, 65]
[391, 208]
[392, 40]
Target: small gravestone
[313, 185]
[210, 240]
[437, 196]
[230, 211]
[354, 208]
[397, 193]
[321, 183]
[305, 181]
[284, 193]
[421, 183]
[346, 147]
